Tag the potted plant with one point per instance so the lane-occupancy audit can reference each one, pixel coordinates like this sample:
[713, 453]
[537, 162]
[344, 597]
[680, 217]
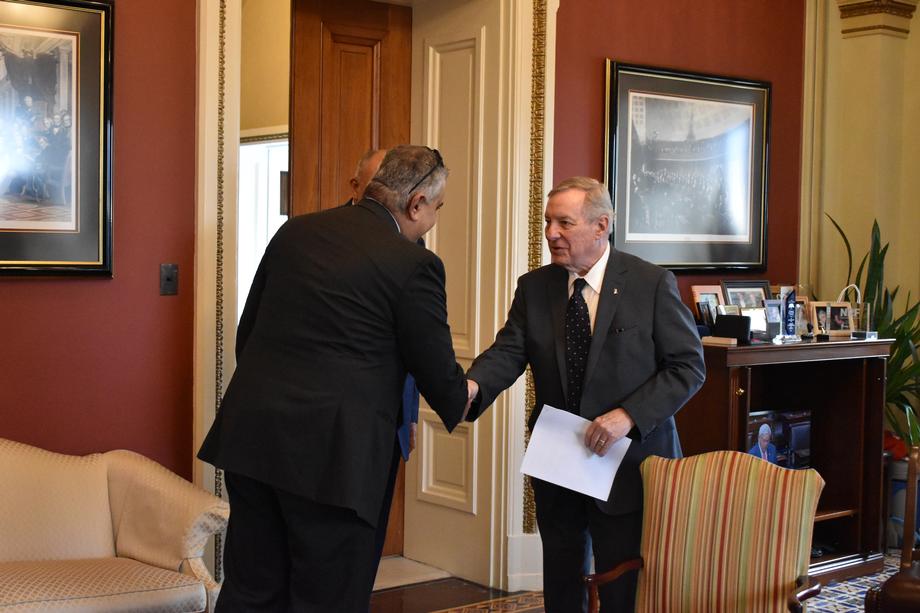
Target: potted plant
[902, 385]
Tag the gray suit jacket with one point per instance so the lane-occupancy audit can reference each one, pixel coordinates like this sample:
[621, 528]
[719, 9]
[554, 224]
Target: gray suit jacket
[645, 356]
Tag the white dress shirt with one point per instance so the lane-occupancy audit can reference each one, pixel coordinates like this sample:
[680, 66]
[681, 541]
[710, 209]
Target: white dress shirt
[594, 279]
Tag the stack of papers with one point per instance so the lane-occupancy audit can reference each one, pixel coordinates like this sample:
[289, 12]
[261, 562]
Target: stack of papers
[557, 454]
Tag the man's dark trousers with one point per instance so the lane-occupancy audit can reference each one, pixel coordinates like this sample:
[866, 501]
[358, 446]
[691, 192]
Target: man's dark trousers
[287, 553]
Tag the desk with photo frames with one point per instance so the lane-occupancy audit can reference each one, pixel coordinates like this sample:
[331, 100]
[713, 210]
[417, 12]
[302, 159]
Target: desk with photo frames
[842, 385]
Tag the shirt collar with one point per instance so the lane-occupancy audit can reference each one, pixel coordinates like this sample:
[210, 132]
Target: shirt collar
[595, 276]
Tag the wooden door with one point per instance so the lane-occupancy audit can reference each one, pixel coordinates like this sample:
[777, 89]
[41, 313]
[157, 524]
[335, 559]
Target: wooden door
[350, 92]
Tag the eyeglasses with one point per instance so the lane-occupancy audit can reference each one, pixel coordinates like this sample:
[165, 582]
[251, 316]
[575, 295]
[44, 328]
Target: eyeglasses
[439, 163]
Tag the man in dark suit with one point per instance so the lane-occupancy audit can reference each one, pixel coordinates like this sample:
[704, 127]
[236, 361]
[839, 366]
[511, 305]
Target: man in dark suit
[364, 171]
[406, 433]
[607, 338]
[343, 305]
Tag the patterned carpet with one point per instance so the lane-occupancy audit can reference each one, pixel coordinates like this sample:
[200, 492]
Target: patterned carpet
[839, 597]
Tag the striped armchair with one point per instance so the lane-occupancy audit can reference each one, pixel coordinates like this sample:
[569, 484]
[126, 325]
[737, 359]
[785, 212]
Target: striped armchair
[722, 531]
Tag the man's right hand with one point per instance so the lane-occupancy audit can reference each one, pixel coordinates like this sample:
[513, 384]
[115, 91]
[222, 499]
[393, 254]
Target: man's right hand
[472, 390]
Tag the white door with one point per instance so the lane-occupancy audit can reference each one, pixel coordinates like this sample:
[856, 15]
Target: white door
[468, 102]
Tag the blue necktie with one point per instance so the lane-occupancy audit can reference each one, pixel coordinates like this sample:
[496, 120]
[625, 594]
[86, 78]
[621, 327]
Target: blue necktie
[577, 344]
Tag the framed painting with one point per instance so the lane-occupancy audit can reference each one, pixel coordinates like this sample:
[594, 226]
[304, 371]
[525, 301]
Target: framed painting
[686, 166]
[56, 137]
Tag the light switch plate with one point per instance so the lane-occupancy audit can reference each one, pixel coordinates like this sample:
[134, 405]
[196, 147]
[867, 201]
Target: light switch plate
[169, 279]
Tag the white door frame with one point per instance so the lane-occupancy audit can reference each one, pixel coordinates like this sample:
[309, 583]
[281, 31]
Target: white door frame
[516, 554]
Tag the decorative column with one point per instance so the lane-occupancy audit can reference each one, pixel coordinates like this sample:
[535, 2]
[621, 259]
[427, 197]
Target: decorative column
[860, 144]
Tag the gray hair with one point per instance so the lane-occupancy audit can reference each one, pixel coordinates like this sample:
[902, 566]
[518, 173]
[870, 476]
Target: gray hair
[400, 171]
[764, 429]
[597, 198]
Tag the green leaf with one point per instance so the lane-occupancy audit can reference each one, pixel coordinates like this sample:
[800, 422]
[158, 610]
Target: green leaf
[846, 243]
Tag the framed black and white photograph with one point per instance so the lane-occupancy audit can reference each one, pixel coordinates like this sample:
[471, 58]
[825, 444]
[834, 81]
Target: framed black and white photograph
[55, 137]
[686, 165]
[746, 294]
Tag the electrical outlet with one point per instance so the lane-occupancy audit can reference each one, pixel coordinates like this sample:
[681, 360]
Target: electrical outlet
[169, 279]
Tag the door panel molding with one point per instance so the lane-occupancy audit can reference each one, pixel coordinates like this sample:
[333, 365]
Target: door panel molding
[448, 463]
[452, 107]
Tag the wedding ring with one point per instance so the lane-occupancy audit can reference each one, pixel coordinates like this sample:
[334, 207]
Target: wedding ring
[601, 442]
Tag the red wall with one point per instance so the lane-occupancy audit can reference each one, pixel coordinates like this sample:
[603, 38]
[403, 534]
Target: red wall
[96, 364]
[754, 40]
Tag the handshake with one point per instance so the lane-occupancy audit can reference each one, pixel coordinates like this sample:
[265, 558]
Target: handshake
[472, 390]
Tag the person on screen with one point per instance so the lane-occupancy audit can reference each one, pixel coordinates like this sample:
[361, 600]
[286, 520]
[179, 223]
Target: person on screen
[763, 448]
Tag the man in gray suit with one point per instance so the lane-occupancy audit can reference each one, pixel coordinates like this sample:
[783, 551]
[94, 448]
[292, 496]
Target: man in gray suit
[607, 338]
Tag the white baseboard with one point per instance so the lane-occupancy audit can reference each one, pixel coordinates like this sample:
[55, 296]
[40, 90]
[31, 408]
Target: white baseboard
[525, 562]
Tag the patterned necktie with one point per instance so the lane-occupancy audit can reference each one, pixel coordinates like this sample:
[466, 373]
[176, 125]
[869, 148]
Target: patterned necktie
[577, 344]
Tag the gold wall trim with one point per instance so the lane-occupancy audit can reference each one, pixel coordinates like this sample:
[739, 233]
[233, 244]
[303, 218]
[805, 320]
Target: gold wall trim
[264, 138]
[535, 212]
[876, 17]
[219, 258]
[879, 28]
[874, 7]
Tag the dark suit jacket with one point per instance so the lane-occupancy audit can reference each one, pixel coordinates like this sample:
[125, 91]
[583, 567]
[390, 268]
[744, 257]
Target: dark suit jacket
[645, 356]
[341, 308]
[771, 452]
[409, 413]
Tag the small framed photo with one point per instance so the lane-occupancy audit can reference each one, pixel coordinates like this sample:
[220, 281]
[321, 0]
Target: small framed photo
[746, 294]
[710, 295]
[779, 291]
[728, 309]
[774, 310]
[706, 315]
[802, 305]
[832, 318]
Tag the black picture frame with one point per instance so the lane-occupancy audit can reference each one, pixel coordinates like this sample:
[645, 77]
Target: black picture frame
[686, 163]
[742, 293]
[56, 128]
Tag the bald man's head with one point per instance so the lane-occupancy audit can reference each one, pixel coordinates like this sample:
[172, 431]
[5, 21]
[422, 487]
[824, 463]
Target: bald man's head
[366, 169]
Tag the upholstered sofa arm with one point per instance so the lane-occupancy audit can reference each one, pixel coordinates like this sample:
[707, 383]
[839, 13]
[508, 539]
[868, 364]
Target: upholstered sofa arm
[160, 518]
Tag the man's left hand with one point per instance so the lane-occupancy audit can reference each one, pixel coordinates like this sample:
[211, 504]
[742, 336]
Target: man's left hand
[607, 429]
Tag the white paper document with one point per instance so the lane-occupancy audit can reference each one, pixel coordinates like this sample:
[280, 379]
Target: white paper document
[557, 454]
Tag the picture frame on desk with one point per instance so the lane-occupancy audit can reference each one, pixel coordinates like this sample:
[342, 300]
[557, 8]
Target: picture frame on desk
[774, 310]
[686, 164]
[758, 320]
[746, 294]
[728, 309]
[56, 100]
[832, 318]
[711, 295]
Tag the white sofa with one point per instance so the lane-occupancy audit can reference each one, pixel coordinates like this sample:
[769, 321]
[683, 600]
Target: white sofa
[103, 532]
